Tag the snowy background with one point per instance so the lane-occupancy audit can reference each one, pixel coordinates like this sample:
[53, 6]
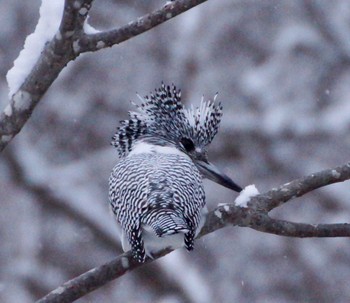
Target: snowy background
[282, 70]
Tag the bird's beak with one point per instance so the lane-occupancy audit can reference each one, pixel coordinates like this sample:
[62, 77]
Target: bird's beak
[211, 172]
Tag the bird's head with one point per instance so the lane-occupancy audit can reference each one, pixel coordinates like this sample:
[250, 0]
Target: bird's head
[163, 120]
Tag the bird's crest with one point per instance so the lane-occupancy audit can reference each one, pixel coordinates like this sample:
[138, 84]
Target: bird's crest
[162, 118]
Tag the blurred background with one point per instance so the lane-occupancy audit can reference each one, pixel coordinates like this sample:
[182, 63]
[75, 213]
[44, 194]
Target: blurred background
[282, 70]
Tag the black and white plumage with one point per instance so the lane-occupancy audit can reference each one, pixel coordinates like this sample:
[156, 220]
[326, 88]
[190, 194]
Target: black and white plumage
[156, 190]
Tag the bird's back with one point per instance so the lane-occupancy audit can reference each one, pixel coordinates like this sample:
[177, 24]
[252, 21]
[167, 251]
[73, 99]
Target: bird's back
[156, 189]
[158, 193]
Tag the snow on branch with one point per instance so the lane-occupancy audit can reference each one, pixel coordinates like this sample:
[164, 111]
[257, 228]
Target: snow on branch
[246, 194]
[50, 17]
[51, 47]
[253, 214]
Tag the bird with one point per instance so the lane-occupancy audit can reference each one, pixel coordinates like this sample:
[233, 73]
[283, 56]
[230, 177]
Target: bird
[156, 189]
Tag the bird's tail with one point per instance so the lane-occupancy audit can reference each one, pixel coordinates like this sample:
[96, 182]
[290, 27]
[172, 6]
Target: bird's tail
[167, 222]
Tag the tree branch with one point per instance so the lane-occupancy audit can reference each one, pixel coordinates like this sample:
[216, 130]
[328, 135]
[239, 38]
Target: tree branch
[301, 230]
[74, 16]
[55, 56]
[254, 216]
[93, 42]
[299, 187]
[68, 43]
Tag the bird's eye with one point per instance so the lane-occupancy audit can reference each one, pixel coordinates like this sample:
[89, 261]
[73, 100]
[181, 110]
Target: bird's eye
[187, 144]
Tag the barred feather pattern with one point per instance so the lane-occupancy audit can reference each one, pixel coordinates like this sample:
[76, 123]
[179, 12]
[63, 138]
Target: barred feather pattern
[162, 115]
[156, 188]
[160, 190]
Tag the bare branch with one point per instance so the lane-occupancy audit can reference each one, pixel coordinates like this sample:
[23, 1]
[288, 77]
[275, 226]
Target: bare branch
[92, 279]
[69, 42]
[301, 230]
[299, 187]
[89, 43]
[255, 216]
